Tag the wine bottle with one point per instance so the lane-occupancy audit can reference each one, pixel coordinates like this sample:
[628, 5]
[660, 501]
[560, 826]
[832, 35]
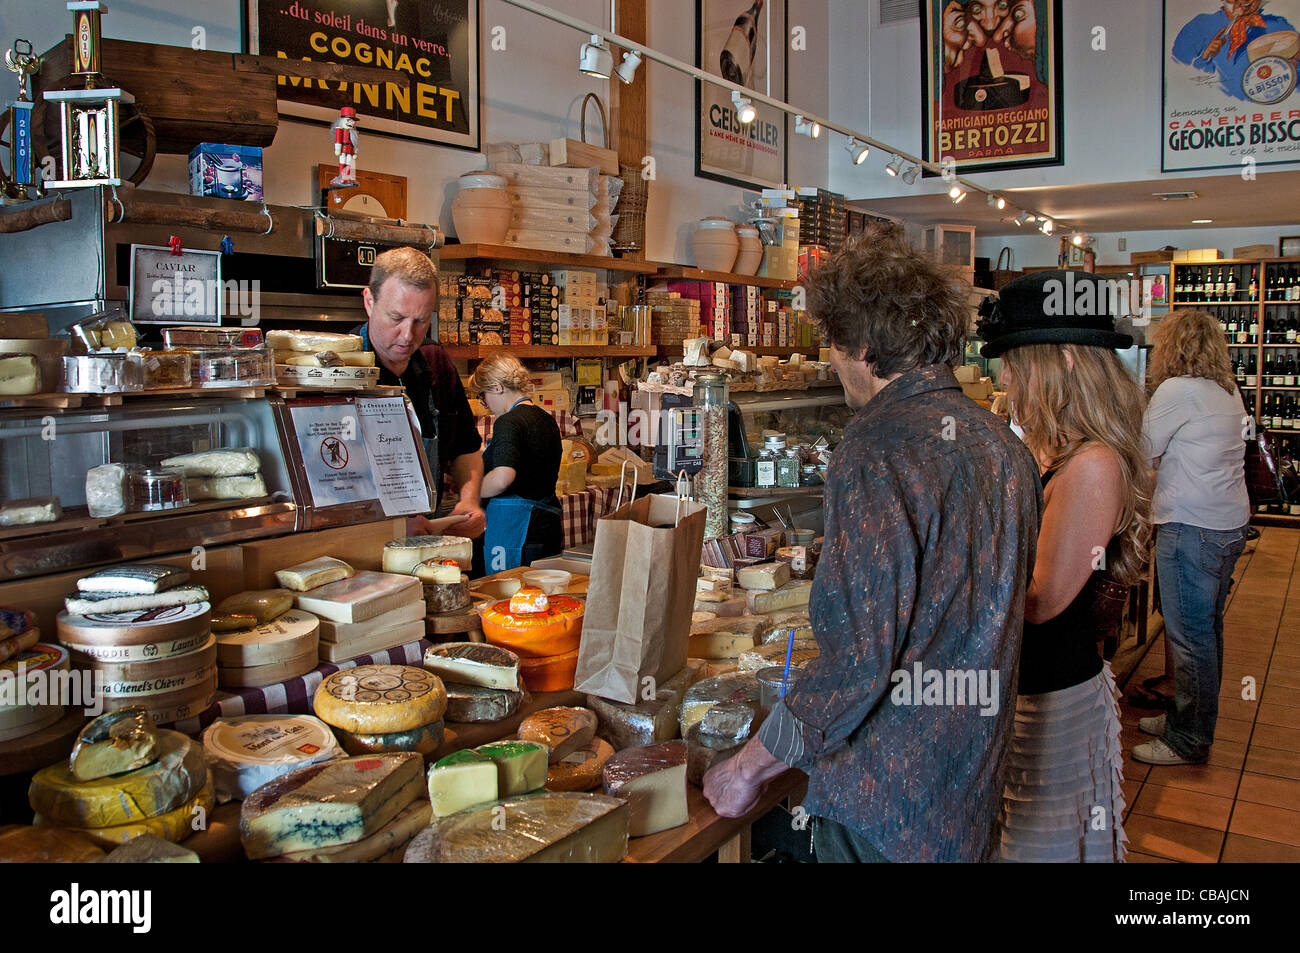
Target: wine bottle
[1251, 366]
[1292, 331]
[1288, 373]
[738, 53]
[1253, 291]
[1230, 292]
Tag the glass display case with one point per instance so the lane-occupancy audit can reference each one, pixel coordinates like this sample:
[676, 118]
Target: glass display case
[779, 443]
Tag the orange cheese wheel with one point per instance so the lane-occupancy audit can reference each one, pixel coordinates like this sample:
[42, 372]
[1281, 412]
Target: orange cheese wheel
[554, 631]
[549, 674]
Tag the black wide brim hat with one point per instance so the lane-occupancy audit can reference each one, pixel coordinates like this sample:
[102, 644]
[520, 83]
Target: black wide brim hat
[1051, 307]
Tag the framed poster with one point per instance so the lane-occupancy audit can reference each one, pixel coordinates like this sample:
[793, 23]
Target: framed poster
[991, 84]
[171, 288]
[436, 41]
[1229, 84]
[742, 41]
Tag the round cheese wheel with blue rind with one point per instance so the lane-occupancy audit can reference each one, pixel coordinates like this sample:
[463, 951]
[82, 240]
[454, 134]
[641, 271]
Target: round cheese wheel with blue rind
[380, 699]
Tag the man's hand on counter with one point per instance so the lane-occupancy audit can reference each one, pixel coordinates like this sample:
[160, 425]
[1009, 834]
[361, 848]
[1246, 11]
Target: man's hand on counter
[735, 786]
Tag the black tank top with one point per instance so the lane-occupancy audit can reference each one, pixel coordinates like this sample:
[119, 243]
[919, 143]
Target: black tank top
[1062, 652]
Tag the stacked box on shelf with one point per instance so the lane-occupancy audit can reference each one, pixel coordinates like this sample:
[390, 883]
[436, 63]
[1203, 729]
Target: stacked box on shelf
[714, 297]
[673, 318]
[581, 309]
[823, 218]
[748, 314]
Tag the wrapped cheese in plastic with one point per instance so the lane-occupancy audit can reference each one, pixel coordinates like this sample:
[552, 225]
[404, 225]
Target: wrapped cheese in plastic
[114, 743]
[264, 604]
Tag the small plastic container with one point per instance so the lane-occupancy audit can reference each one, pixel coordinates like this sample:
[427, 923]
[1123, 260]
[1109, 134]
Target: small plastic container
[742, 522]
[550, 581]
[233, 367]
[105, 373]
[159, 488]
[800, 537]
[166, 368]
[204, 337]
[771, 680]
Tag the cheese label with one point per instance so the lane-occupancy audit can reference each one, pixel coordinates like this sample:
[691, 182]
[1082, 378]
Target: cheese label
[149, 652]
[139, 617]
[379, 683]
[39, 658]
[119, 688]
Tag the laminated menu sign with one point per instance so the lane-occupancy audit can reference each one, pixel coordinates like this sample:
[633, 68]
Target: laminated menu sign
[395, 461]
[334, 453]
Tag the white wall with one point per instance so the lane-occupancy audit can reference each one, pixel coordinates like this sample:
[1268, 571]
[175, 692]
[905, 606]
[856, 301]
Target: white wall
[530, 91]
[1034, 250]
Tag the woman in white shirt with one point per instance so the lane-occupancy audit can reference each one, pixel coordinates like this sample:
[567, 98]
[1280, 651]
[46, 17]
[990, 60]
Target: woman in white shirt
[1195, 431]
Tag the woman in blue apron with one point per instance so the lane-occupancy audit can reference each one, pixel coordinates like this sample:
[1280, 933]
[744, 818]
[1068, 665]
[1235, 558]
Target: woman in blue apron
[520, 465]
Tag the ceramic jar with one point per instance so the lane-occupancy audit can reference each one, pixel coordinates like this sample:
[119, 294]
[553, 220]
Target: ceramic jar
[715, 244]
[480, 210]
[750, 254]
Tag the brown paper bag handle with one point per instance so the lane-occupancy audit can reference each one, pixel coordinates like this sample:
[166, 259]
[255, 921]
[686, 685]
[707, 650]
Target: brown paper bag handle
[622, 477]
[683, 496]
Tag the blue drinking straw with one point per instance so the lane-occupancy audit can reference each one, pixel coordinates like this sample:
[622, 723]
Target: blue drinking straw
[785, 676]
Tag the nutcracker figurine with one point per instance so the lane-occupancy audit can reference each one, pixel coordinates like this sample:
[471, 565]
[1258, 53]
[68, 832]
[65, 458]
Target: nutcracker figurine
[345, 147]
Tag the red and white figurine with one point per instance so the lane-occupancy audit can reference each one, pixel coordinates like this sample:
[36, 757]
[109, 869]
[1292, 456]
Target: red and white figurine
[345, 146]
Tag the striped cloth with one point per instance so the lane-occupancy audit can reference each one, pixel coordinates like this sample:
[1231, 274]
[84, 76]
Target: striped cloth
[582, 511]
[570, 425]
[294, 696]
[1063, 802]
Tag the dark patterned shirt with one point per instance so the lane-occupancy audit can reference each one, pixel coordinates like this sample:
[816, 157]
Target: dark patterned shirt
[932, 508]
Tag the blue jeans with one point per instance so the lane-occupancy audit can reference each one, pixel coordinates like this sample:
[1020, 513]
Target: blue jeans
[1195, 569]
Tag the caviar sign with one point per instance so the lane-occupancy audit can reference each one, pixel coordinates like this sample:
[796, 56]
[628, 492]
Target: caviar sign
[1230, 84]
[435, 42]
[991, 83]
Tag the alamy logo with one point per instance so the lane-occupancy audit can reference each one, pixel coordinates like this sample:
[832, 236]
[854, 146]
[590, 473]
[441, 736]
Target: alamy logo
[78, 687]
[77, 906]
[1101, 297]
[946, 687]
[179, 297]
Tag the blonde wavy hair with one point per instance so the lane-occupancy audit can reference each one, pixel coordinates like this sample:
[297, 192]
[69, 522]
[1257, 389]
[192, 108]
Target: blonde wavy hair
[501, 367]
[1063, 410]
[1190, 344]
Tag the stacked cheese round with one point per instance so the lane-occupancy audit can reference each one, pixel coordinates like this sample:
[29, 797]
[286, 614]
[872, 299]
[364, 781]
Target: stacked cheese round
[26, 703]
[164, 660]
[163, 797]
[544, 631]
[379, 708]
[482, 680]
[284, 647]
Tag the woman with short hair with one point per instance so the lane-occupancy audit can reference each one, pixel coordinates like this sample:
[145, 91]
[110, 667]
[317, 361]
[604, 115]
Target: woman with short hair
[520, 466]
[1195, 435]
[1081, 414]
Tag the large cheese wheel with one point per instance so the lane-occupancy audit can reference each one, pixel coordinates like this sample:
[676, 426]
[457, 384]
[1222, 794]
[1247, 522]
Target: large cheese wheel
[19, 717]
[256, 676]
[473, 704]
[129, 671]
[549, 674]
[140, 627]
[247, 751]
[174, 825]
[379, 699]
[424, 740]
[177, 776]
[85, 654]
[556, 630]
[292, 636]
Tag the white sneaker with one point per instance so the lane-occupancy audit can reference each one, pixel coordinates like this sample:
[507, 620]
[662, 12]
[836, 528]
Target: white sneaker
[1157, 752]
[1155, 725]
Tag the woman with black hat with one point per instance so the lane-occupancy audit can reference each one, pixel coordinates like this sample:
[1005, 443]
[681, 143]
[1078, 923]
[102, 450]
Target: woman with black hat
[1081, 414]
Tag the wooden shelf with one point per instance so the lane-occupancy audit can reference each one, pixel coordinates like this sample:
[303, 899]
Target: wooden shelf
[1241, 304]
[698, 274]
[768, 492]
[541, 257]
[474, 352]
[812, 350]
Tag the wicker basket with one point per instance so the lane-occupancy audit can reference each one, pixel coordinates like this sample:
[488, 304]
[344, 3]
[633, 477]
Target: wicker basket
[629, 233]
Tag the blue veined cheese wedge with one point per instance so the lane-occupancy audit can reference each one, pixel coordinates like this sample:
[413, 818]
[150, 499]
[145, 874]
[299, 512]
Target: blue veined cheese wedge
[544, 828]
[327, 804]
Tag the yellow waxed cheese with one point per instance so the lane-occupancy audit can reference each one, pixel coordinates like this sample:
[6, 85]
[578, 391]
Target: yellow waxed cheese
[164, 785]
[380, 699]
[174, 825]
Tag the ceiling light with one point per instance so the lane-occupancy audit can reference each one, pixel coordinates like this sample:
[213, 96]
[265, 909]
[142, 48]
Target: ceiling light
[744, 106]
[997, 201]
[1077, 239]
[1024, 217]
[807, 127]
[957, 194]
[1047, 226]
[857, 150]
[596, 59]
[910, 175]
[1175, 196]
[627, 69]
[895, 167]
[1202, 221]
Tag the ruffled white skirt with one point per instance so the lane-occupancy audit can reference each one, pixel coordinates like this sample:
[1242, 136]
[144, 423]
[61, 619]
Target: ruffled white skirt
[1063, 802]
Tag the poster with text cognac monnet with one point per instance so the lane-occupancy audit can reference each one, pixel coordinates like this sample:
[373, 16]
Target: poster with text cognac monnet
[991, 83]
[1230, 84]
[435, 42]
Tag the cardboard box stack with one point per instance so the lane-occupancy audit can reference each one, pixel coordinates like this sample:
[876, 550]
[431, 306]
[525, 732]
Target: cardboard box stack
[674, 318]
[823, 218]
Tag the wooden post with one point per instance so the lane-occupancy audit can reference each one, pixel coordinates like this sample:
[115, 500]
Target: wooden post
[24, 217]
[628, 102]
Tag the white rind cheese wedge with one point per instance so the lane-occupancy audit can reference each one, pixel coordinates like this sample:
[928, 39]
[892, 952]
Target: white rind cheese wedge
[461, 780]
[521, 765]
[226, 488]
[653, 782]
[402, 555]
[763, 576]
[312, 341]
[325, 805]
[544, 828]
[474, 663]
[562, 730]
[316, 572]
[216, 463]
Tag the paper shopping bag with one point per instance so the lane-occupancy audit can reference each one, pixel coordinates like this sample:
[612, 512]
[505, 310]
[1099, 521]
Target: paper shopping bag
[640, 596]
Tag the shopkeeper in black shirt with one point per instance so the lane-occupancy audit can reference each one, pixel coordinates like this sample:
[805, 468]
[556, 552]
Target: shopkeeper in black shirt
[401, 300]
[521, 464]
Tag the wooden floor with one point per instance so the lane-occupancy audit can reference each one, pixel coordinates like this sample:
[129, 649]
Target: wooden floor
[1244, 805]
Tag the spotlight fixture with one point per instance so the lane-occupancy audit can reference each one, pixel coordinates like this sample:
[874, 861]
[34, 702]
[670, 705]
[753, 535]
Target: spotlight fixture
[1047, 227]
[807, 127]
[1024, 217]
[744, 106]
[596, 59]
[894, 167]
[957, 194]
[910, 175]
[1077, 239]
[857, 150]
[997, 201]
[627, 69]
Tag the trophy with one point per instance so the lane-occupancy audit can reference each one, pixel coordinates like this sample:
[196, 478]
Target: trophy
[89, 118]
[20, 181]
